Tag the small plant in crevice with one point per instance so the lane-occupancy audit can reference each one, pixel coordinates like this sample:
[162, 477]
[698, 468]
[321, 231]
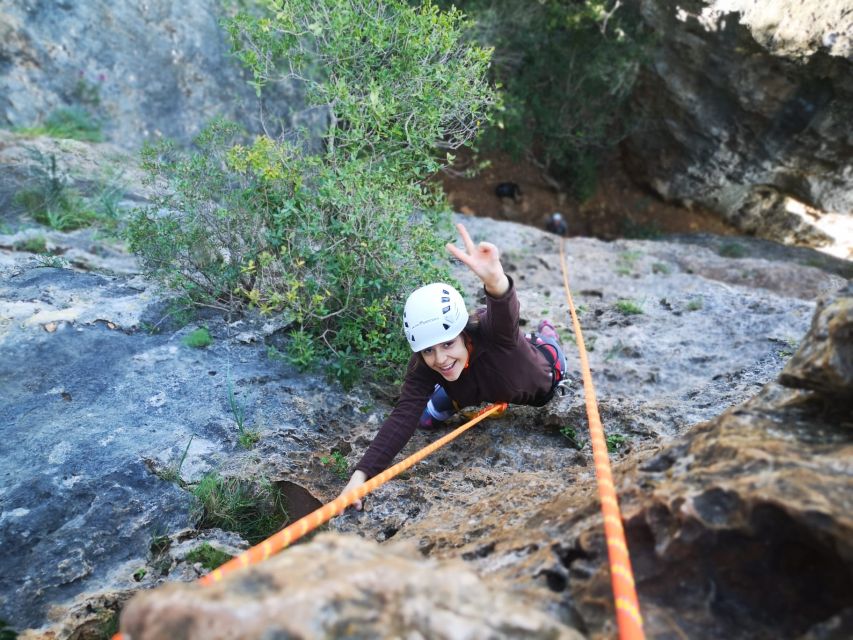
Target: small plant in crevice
[172, 473]
[628, 307]
[70, 123]
[209, 556]
[695, 304]
[255, 510]
[732, 249]
[109, 623]
[661, 268]
[139, 574]
[338, 464]
[198, 339]
[35, 244]
[246, 437]
[615, 442]
[626, 263]
[571, 434]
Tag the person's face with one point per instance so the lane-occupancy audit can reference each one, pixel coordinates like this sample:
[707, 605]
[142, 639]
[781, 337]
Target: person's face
[448, 358]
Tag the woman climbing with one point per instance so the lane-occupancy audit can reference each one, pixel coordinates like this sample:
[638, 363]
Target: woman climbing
[462, 360]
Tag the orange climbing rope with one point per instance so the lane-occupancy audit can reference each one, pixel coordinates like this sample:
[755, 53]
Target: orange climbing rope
[293, 532]
[628, 617]
[286, 536]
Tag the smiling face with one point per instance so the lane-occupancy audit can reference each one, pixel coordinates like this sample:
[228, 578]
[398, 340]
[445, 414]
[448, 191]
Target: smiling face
[448, 358]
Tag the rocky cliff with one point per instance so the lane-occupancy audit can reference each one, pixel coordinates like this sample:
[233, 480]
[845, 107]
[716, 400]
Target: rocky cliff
[109, 418]
[746, 109]
[144, 70]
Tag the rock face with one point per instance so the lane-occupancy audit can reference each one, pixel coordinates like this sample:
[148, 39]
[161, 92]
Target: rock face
[340, 587]
[747, 108]
[145, 70]
[738, 527]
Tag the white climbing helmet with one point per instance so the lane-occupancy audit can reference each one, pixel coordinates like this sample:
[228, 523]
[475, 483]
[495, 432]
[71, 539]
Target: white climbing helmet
[433, 314]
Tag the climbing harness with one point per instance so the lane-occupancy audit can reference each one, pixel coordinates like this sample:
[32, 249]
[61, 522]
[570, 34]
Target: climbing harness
[628, 617]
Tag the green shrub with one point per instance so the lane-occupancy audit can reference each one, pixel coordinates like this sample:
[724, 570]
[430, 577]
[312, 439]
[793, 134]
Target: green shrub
[333, 241]
[254, 510]
[567, 69]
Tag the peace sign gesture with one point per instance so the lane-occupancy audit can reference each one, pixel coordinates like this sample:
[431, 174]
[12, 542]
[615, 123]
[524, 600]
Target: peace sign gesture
[484, 260]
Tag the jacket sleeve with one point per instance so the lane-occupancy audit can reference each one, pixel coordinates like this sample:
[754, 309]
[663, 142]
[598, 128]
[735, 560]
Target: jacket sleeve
[399, 427]
[500, 322]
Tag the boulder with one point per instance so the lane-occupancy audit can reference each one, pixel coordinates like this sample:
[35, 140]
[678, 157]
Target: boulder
[746, 109]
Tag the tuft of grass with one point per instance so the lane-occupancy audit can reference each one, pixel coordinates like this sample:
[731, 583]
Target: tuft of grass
[661, 268]
[626, 262]
[172, 473]
[255, 510]
[732, 250]
[210, 557]
[198, 339]
[628, 307]
[72, 123]
[695, 304]
[139, 574]
[247, 438]
[615, 442]
[51, 200]
[36, 244]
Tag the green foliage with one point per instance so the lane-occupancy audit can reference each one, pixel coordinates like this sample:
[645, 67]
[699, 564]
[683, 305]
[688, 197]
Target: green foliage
[567, 68]
[6, 632]
[661, 268]
[396, 79]
[198, 339]
[210, 557]
[331, 240]
[571, 434]
[35, 244]
[51, 199]
[172, 473]
[254, 510]
[615, 442]
[247, 438]
[627, 262]
[338, 463]
[139, 574]
[695, 304]
[732, 249]
[628, 307]
[74, 123]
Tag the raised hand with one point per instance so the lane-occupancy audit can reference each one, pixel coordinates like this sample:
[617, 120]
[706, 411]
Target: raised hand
[484, 260]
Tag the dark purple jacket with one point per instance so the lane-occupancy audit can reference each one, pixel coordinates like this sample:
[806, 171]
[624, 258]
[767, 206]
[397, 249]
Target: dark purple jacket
[503, 367]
